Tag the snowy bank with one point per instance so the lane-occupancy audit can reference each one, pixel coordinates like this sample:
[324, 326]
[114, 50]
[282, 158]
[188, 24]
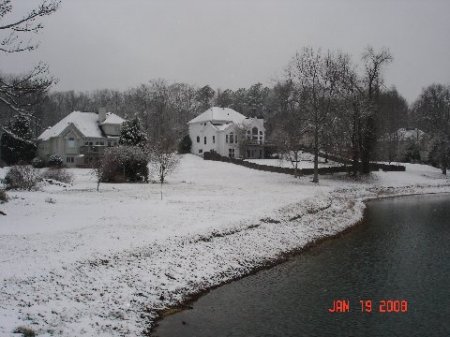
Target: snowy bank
[106, 263]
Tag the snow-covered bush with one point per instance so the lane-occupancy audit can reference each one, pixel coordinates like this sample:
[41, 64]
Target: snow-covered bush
[123, 164]
[22, 177]
[55, 161]
[37, 162]
[58, 174]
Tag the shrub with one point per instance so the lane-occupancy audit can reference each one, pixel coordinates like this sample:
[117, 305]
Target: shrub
[37, 162]
[55, 161]
[3, 196]
[58, 174]
[25, 331]
[123, 164]
[185, 145]
[21, 177]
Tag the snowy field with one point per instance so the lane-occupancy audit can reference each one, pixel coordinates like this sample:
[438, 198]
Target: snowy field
[306, 162]
[77, 262]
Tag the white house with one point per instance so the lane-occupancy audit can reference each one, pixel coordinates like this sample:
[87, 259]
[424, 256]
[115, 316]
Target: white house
[228, 133]
[81, 137]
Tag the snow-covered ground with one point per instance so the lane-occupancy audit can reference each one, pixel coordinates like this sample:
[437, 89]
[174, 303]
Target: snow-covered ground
[77, 262]
[306, 160]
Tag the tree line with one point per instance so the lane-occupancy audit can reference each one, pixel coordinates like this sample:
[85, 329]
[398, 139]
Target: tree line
[325, 101]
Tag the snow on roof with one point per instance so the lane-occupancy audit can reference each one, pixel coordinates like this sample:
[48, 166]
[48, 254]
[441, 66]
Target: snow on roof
[85, 122]
[219, 114]
[112, 118]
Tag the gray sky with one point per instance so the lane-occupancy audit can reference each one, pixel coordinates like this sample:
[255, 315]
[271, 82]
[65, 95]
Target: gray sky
[118, 44]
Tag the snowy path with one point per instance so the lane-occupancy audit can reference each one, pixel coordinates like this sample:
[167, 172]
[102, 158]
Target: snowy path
[130, 254]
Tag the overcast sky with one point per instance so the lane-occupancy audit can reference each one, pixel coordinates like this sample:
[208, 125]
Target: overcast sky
[118, 44]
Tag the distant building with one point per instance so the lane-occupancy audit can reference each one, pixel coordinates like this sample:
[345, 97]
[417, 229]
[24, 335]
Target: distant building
[81, 137]
[228, 133]
[405, 145]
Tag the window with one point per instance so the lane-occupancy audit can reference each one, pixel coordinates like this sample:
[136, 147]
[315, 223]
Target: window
[231, 138]
[204, 140]
[69, 159]
[231, 153]
[226, 139]
[71, 142]
[235, 139]
[255, 134]
[198, 139]
[214, 139]
[200, 151]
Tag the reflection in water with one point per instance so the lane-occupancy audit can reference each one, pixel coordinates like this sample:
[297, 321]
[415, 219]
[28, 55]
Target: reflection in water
[400, 252]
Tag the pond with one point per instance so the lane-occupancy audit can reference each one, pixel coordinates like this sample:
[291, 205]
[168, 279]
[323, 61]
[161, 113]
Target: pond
[397, 262]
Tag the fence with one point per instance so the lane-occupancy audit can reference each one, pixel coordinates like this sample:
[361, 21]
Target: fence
[287, 170]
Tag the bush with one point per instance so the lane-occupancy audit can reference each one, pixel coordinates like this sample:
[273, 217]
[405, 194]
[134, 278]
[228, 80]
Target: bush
[3, 196]
[185, 145]
[123, 164]
[55, 161]
[25, 331]
[58, 174]
[37, 162]
[21, 177]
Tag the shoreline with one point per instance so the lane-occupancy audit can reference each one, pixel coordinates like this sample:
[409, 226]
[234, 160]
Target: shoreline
[185, 304]
[121, 273]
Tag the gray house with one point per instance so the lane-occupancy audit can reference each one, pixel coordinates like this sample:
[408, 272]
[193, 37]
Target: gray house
[81, 137]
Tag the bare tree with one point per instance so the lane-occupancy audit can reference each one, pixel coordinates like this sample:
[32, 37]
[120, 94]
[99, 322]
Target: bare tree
[163, 158]
[12, 40]
[432, 109]
[316, 76]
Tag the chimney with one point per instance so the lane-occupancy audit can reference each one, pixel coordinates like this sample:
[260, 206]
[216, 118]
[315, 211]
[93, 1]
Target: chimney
[101, 114]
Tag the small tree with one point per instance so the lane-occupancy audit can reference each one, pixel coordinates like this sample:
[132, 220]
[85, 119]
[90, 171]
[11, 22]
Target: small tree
[163, 159]
[16, 142]
[185, 145]
[131, 133]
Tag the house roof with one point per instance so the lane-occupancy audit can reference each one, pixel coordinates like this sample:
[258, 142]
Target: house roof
[85, 122]
[113, 119]
[219, 114]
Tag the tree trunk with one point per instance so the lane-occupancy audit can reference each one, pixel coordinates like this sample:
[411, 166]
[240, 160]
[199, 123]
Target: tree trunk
[444, 159]
[316, 155]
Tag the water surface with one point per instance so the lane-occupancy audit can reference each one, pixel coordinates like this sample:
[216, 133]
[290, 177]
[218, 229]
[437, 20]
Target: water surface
[400, 252]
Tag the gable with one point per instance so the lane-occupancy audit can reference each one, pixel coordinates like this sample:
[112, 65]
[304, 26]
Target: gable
[85, 122]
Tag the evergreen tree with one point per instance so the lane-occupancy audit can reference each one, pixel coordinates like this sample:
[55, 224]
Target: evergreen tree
[16, 141]
[132, 134]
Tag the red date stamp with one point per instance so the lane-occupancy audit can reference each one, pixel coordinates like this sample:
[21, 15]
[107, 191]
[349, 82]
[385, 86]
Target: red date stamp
[369, 306]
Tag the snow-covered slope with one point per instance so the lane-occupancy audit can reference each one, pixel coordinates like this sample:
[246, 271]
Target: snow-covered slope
[74, 261]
